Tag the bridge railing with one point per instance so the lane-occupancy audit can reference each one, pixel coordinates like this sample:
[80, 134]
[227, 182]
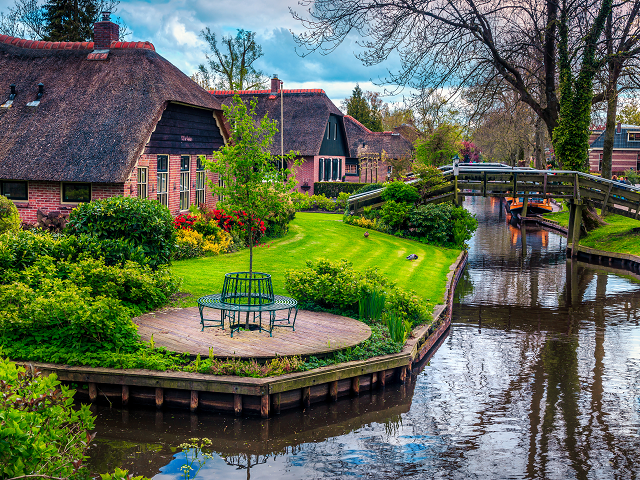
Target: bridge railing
[502, 181]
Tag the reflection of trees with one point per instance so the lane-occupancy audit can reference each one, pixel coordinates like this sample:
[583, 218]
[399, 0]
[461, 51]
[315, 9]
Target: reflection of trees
[246, 461]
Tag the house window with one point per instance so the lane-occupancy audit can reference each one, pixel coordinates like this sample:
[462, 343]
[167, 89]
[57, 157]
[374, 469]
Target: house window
[351, 169]
[143, 181]
[335, 131]
[321, 169]
[638, 163]
[221, 185]
[634, 136]
[185, 161]
[163, 179]
[76, 192]
[200, 181]
[335, 171]
[328, 130]
[389, 170]
[15, 190]
[600, 163]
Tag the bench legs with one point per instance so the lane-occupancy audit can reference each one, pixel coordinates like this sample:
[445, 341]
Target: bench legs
[236, 320]
[276, 322]
[216, 323]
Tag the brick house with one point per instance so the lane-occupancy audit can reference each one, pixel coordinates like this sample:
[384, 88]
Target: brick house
[88, 120]
[368, 149]
[327, 140]
[626, 149]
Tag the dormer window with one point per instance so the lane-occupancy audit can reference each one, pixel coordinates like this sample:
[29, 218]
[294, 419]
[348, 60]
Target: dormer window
[634, 136]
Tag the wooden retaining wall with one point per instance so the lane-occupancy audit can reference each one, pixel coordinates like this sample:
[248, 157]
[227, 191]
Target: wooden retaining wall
[260, 396]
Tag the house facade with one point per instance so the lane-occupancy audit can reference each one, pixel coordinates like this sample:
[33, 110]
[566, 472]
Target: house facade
[87, 120]
[626, 150]
[328, 141]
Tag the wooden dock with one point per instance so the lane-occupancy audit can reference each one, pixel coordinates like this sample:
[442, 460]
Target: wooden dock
[262, 396]
[317, 333]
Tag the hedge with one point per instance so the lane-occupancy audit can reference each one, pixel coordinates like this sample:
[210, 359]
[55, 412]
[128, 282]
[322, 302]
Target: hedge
[333, 189]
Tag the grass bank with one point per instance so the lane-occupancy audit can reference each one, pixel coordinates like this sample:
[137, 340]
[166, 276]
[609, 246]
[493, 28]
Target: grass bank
[621, 235]
[316, 235]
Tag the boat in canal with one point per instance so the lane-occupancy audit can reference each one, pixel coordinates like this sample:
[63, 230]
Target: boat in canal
[535, 205]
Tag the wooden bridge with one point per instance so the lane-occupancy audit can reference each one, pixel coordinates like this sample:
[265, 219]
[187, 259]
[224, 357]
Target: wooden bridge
[502, 181]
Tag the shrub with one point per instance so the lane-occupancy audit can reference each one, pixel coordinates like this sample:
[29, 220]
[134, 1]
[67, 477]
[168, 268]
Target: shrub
[41, 432]
[431, 181]
[9, 216]
[400, 192]
[192, 244]
[368, 188]
[363, 222]
[140, 222]
[184, 221]
[441, 224]
[335, 285]
[301, 201]
[395, 214]
[333, 189]
[342, 201]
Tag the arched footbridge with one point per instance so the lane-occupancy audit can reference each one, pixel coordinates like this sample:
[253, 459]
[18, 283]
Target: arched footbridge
[491, 180]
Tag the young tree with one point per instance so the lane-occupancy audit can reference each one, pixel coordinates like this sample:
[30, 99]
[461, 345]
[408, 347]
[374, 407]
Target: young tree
[69, 20]
[439, 147]
[253, 181]
[231, 65]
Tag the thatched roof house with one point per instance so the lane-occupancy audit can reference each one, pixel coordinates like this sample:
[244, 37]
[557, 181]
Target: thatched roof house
[80, 120]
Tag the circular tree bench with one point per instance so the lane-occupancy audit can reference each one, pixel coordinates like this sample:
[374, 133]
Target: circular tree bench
[233, 312]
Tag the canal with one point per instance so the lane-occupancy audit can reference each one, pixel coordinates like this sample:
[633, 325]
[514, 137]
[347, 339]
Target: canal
[538, 378]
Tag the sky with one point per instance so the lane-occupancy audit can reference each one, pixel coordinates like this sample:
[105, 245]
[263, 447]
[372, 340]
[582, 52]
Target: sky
[173, 26]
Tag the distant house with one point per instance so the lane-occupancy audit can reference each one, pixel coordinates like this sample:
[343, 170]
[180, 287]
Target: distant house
[82, 121]
[327, 140]
[368, 151]
[626, 149]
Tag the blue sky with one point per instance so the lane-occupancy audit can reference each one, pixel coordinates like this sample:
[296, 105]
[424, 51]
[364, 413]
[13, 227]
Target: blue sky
[173, 26]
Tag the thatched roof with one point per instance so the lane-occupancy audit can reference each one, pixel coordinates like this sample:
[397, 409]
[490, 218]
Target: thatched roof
[306, 113]
[96, 114]
[363, 141]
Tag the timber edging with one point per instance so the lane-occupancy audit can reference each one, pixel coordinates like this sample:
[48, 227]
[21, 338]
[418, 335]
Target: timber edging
[262, 396]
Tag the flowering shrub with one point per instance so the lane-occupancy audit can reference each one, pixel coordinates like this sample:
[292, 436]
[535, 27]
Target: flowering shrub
[192, 244]
[372, 224]
[184, 221]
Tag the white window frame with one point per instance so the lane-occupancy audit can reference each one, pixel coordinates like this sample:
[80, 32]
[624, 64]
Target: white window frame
[185, 184]
[143, 186]
[201, 181]
[162, 188]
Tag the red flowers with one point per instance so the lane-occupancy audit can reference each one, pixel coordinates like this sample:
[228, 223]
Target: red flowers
[184, 221]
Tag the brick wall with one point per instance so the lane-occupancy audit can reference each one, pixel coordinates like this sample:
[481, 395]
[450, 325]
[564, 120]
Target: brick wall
[622, 160]
[48, 196]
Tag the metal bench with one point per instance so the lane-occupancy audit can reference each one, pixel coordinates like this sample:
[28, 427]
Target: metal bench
[233, 313]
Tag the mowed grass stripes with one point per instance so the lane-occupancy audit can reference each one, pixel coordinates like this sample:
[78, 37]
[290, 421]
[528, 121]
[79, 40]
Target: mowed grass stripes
[316, 235]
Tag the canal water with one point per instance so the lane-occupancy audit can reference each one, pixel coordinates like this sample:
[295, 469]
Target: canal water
[539, 377]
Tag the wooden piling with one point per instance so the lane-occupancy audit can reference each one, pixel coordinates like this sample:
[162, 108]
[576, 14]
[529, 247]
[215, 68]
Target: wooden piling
[355, 386]
[237, 404]
[333, 391]
[264, 406]
[193, 406]
[159, 397]
[125, 395]
[93, 392]
[306, 397]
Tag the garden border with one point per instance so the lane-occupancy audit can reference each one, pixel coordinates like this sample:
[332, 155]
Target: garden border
[262, 396]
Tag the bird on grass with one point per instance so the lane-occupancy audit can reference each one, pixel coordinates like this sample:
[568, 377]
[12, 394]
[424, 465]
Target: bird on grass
[413, 256]
[366, 234]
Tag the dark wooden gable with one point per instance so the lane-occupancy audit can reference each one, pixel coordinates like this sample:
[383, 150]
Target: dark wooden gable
[185, 130]
[333, 140]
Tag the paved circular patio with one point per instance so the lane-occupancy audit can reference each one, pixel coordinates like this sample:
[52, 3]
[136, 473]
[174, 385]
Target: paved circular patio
[317, 333]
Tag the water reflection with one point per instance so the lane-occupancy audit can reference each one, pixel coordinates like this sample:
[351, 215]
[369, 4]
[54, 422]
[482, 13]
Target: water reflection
[539, 378]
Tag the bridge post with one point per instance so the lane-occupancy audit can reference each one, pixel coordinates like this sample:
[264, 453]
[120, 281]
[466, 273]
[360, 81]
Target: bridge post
[455, 190]
[575, 222]
[525, 205]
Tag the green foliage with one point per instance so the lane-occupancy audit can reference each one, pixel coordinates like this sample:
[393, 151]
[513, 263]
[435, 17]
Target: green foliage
[400, 192]
[70, 20]
[370, 305]
[9, 216]
[335, 285]
[41, 433]
[120, 474]
[359, 107]
[342, 201]
[439, 147]
[253, 183]
[138, 222]
[399, 328]
[368, 187]
[333, 189]
[195, 456]
[302, 201]
[441, 224]
[394, 214]
[632, 176]
[629, 113]
[430, 181]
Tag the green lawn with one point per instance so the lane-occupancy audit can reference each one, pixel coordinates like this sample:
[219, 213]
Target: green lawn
[317, 235]
[618, 236]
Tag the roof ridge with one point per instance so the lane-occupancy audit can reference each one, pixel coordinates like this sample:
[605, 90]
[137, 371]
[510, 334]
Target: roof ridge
[42, 45]
[249, 92]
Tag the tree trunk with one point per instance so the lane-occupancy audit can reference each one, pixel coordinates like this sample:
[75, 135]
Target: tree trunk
[610, 131]
[539, 162]
[590, 218]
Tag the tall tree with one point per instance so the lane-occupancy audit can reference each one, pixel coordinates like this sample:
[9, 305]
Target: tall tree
[451, 42]
[69, 20]
[231, 65]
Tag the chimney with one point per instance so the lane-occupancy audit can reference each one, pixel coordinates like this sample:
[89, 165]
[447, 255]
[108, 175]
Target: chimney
[619, 127]
[105, 32]
[275, 84]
